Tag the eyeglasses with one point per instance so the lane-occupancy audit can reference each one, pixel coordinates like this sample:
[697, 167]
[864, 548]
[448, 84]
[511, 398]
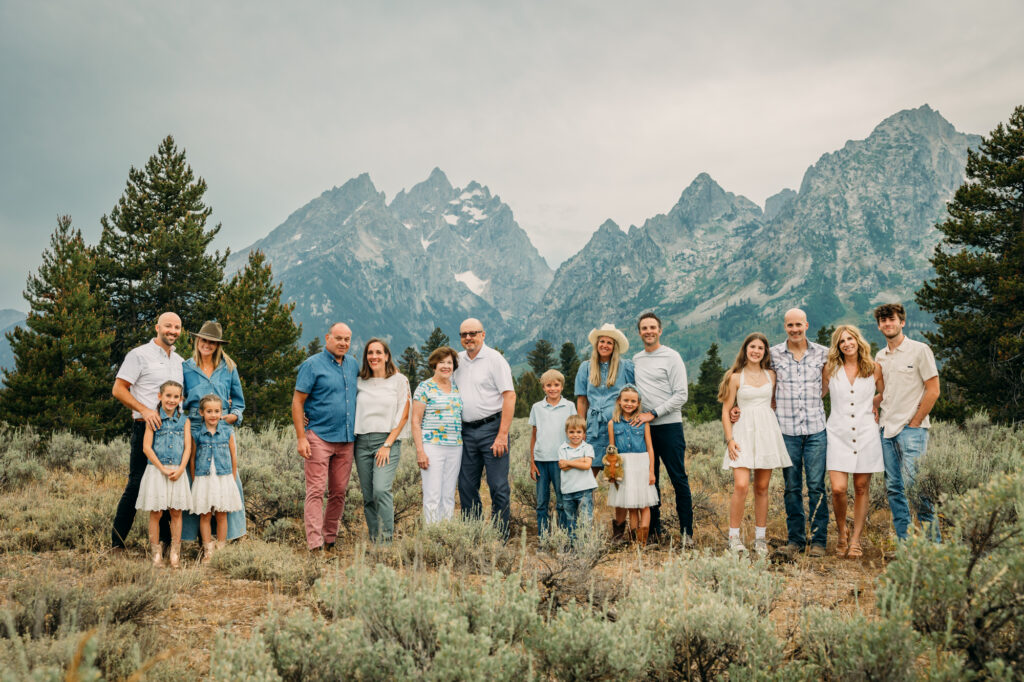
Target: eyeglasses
[469, 335]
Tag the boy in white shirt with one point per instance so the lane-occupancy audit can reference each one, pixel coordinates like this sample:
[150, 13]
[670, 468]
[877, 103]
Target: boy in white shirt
[547, 417]
[578, 482]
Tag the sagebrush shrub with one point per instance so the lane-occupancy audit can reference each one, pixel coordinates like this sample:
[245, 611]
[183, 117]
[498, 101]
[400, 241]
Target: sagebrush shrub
[234, 658]
[459, 544]
[565, 566]
[967, 594]
[251, 559]
[839, 648]
[733, 577]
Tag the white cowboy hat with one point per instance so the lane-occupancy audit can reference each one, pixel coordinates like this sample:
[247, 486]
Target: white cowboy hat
[611, 332]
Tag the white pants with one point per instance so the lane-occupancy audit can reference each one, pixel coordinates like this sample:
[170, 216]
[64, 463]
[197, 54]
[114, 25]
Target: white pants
[439, 481]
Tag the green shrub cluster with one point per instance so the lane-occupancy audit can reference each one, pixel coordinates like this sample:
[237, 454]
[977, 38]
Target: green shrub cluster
[252, 559]
[460, 545]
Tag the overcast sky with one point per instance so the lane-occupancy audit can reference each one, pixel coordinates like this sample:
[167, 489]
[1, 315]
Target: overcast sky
[572, 112]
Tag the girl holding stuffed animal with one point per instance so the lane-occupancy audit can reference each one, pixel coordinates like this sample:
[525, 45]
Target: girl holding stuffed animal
[164, 484]
[635, 494]
[754, 444]
[215, 469]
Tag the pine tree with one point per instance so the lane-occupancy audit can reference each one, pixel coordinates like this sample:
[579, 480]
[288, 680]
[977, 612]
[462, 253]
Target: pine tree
[264, 341]
[409, 365]
[436, 339]
[569, 364]
[528, 391]
[315, 345]
[152, 256]
[62, 375]
[542, 357]
[824, 336]
[977, 295]
[703, 405]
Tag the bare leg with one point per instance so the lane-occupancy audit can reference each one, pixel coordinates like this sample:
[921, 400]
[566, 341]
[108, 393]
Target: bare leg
[740, 486]
[761, 479]
[840, 481]
[645, 517]
[154, 527]
[175, 525]
[204, 528]
[620, 515]
[634, 518]
[222, 528]
[861, 484]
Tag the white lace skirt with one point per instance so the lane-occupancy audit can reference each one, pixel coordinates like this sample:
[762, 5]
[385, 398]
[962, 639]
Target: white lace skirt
[215, 493]
[157, 492]
[634, 492]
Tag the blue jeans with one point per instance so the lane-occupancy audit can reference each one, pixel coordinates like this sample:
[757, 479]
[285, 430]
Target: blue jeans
[901, 453]
[808, 455]
[577, 506]
[476, 457]
[670, 449]
[549, 476]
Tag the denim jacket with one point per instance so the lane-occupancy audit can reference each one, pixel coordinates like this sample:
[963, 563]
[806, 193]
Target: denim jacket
[169, 439]
[629, 438]
[214, 446]
[223, 382]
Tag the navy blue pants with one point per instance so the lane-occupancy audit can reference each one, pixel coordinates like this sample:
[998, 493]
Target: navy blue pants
[670, 450]
[476, 458]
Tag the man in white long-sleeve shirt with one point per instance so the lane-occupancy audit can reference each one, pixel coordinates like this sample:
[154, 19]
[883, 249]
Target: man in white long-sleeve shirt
[661, 379]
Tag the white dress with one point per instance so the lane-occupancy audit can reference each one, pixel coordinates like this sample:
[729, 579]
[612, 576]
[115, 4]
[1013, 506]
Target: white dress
[157, 492]
[757, 432]
[854, 442]
[215, 493]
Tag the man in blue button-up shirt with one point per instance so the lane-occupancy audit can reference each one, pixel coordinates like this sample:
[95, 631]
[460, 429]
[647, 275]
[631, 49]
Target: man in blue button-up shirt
[325, 395]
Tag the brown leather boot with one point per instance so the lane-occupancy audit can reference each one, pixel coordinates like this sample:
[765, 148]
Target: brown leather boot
[618, 531]
[157, 550]
[641, 535]
[175, 554]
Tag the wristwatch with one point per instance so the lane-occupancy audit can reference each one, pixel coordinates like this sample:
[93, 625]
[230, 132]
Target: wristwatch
[654, 412]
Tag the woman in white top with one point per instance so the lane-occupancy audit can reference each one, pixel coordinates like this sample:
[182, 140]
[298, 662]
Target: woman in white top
[754, 444]
[382, 416]
[854, 444]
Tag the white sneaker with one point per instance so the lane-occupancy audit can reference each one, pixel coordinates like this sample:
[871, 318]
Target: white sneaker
[761, 547]
[687, 540]
[736, 546]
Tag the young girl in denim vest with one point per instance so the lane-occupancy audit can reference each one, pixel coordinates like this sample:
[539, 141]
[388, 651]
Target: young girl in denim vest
[164, 485]
[636, 493]
[215, 468]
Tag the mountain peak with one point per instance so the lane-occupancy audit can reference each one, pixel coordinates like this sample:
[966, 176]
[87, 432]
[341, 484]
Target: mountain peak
[703, 188]
[437, 178]
[923, 119]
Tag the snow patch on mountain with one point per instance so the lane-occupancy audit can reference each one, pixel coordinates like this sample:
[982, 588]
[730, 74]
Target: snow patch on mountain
[475, 284]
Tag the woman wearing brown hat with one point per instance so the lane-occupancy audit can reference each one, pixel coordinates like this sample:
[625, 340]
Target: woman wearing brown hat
[210, 370]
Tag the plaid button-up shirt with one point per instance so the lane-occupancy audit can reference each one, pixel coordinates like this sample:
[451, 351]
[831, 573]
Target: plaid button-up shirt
[798, 389]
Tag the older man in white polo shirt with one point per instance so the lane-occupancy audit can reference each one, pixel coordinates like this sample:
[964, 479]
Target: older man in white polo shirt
[137, 387]
[489, 400]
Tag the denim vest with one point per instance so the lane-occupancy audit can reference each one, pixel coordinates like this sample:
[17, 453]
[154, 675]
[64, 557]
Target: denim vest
[169, 439]
[629, 438]
[214, 447]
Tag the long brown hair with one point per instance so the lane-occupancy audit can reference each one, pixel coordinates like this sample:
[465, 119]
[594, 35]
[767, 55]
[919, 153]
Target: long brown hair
[741, 361]
[613, 365]
[836, 359]
[389, 365]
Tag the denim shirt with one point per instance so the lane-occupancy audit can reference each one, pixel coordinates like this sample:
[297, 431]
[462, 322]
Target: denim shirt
[223, 382]
[214, 446]
[601, 399]
[629, 438]
[330, 388]
[169, 439]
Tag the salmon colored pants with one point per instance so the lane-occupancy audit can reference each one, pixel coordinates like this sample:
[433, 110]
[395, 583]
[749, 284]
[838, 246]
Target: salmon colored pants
[327, 470]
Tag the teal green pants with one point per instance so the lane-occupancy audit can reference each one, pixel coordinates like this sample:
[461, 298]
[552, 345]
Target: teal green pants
[375, 482]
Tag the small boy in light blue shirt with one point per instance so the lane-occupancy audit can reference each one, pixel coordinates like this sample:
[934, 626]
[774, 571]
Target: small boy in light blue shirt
[547, 417]
[578, 482]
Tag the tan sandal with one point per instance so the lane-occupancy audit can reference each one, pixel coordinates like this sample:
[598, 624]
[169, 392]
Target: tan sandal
[855, 551]
[843, 543]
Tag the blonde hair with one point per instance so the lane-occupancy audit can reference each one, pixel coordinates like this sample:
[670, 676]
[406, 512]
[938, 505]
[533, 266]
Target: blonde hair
[552, 375]
[617, 412]
[613, 365]
[741, 361]
[865, 363]
[575, 422]
[210, 398]
[218, 353]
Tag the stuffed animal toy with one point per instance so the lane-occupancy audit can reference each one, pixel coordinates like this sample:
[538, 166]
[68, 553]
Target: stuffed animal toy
[612, 465]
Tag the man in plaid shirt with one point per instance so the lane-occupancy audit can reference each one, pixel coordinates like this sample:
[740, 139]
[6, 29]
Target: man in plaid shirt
[799, 365]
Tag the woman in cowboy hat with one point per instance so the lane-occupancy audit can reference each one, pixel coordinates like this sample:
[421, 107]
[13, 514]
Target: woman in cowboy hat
[211, 370]
[598, 383]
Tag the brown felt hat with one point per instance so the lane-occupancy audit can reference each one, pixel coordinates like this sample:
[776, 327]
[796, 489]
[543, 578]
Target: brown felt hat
[211, 331]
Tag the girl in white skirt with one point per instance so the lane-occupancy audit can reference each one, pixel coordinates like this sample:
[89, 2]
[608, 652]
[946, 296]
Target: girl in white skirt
[754, 443]
[636, 493]
[854, 442]
[164, 485]
[215, 468]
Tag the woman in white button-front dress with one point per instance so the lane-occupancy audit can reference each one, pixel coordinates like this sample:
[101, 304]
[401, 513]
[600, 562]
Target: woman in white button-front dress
[854, 444]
